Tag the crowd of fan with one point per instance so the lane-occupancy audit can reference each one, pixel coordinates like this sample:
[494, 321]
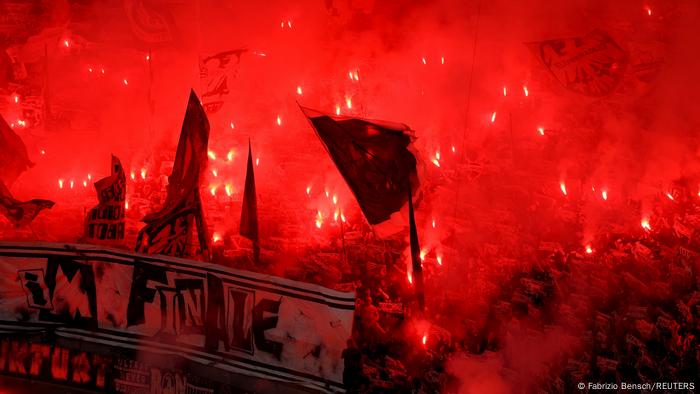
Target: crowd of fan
[630, 306]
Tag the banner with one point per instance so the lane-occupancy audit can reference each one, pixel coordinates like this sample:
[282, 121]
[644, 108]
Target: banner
[105, 222]
[232, 324]
[592, 65]
[214, 73]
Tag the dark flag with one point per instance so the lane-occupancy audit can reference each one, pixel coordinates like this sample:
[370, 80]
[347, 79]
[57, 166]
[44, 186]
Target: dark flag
[169, 230]
[415, 254]
[374, 159]
[249, 213]
[13, 154]
[592, 65]
[105, 222]
[214, 73]
[20, 213]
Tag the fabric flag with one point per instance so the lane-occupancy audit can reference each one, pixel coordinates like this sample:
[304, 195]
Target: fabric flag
[374, 159]
[105, 222]
[415, 255]
[249, 212]
[13, 154]
[20, 213]
[169, 230]
[214, 74]
[150, 21]
[592, 65]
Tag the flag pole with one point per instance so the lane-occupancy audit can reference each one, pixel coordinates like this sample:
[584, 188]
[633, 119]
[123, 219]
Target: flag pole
[342, 239]
[415, 254]
[202, 232]
[47, 96]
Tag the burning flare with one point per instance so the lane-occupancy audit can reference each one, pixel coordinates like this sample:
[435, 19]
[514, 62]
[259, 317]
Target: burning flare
[562, 186]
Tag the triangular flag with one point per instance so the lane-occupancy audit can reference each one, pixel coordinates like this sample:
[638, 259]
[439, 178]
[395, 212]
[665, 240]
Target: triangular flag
[249, 212]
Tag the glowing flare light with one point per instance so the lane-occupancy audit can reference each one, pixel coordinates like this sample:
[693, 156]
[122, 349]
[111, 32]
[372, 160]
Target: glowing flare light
[645, 224]
[562, 186]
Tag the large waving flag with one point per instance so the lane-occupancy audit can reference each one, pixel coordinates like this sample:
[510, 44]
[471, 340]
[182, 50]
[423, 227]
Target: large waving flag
[374, 159]
[169, 230]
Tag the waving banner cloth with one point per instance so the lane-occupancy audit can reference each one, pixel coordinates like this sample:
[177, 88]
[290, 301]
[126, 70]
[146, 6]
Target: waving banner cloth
[231, 326]
[169, 230]
[105, 222]
[249, 211]
[14, 159]
[20, 213]
[214, 73]
[374, 159]
[592, 65]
